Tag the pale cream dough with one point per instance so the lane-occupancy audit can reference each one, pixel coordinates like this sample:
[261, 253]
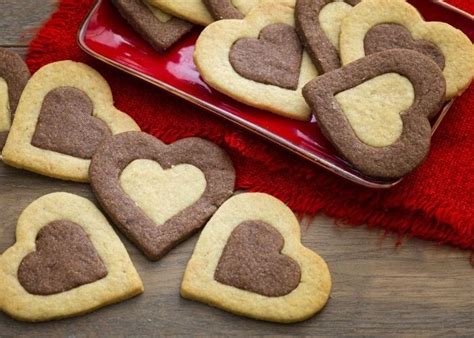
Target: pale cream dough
[5, 115]
[159, 14]
[159, 193]
[330, 19]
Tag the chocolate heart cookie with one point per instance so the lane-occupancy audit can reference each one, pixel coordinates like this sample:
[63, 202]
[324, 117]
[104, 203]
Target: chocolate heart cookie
[67, 261]
[14, 75]
[159, 195]
[335, 97]
[249, 260]
[65, 112]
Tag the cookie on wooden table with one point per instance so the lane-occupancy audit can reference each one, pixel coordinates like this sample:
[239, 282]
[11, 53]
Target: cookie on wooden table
[259, 60]
[65, 112]
[67, 261]
[159, 195]
[376, 25]
[14, 75]
[249, 260]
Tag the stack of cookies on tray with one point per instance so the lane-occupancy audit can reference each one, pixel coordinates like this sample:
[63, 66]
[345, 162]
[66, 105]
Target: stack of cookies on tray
[372, 72]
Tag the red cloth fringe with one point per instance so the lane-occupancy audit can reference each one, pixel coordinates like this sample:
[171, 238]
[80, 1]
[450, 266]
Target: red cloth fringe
[433, 203]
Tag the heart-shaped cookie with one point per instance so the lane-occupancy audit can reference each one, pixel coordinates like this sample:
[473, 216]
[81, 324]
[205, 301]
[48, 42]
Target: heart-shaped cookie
[67, 261]
[158, 28]
[65, 111]
[159, 195]
[196, 11]
[249, 260]
[235, 73]
[338, 101]
[361, 35]
[318, 24]
[14, 75]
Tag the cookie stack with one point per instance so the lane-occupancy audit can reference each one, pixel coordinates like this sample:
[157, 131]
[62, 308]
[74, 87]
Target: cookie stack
[68, 261]
[372, 72]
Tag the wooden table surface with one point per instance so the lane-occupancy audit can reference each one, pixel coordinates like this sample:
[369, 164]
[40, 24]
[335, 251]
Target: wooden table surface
[416, 289]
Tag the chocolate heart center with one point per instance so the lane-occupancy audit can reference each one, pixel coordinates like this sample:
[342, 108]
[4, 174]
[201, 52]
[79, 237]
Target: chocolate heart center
[64, 259]
[222, 9]
[252, 261]
[390, 36]
[274, 58]
[66, 124]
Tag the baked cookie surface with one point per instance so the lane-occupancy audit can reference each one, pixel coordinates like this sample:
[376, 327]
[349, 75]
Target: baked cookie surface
[258, 60]
[249, 261]
[375, 25]
[87, 265]
[65, 111]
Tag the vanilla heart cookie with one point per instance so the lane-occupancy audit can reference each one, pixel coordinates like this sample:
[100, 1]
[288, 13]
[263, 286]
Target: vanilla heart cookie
[203, 12]
[259, 60]
[159, 195]
[14, 75]
[67, 261]
[376, 25]
[158, 28]
[376, 110]
[65, 111]
[249, 260]
[318, 23]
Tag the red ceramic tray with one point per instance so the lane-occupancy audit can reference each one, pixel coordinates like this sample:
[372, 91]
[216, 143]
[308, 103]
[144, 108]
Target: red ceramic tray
[106, 36]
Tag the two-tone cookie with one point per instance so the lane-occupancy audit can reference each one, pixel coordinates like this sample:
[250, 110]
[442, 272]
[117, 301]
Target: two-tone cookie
[67, 261]
[249, 260]
[158, 28]
[376, 25]
[66, 110]
[14, 75]
[259, 60]
[159, 195]
[376, 110]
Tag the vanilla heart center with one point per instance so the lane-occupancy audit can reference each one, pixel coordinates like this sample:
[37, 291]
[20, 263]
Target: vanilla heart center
[160, 15]
[373, 108]
[330, 19]
[5, 119]
[159, 193]
[245, 6]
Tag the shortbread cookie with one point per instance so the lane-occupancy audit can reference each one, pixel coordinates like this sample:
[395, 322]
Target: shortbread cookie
[14, 75]
[250, 261]
[259, 60]
[159, 195]
[65, 111]
[376, 110]
[318, 24]
[67, 261]
[195, 11]
[158, 28]
[375, 25]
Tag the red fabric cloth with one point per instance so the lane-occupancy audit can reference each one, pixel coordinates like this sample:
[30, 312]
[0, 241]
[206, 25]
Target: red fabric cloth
[434, 203]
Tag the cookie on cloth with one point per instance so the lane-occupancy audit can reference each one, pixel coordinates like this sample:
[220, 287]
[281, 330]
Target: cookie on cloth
[158, 195]
[158, 28]
[376, 25]
[376, 110]
[67, 261]
[65, 111]
[14, 75]
[259, 61]
[203, 12]
[249, 260]
[318, 23]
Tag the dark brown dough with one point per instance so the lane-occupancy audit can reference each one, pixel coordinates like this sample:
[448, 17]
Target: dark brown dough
[323, 54]
[66, 124]
[411, 148]
[222, 9]
[161, 35]
[274, 58]
[252, 261]
[16, 74]
[388, 36]
[64, 259]
[155, 240]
